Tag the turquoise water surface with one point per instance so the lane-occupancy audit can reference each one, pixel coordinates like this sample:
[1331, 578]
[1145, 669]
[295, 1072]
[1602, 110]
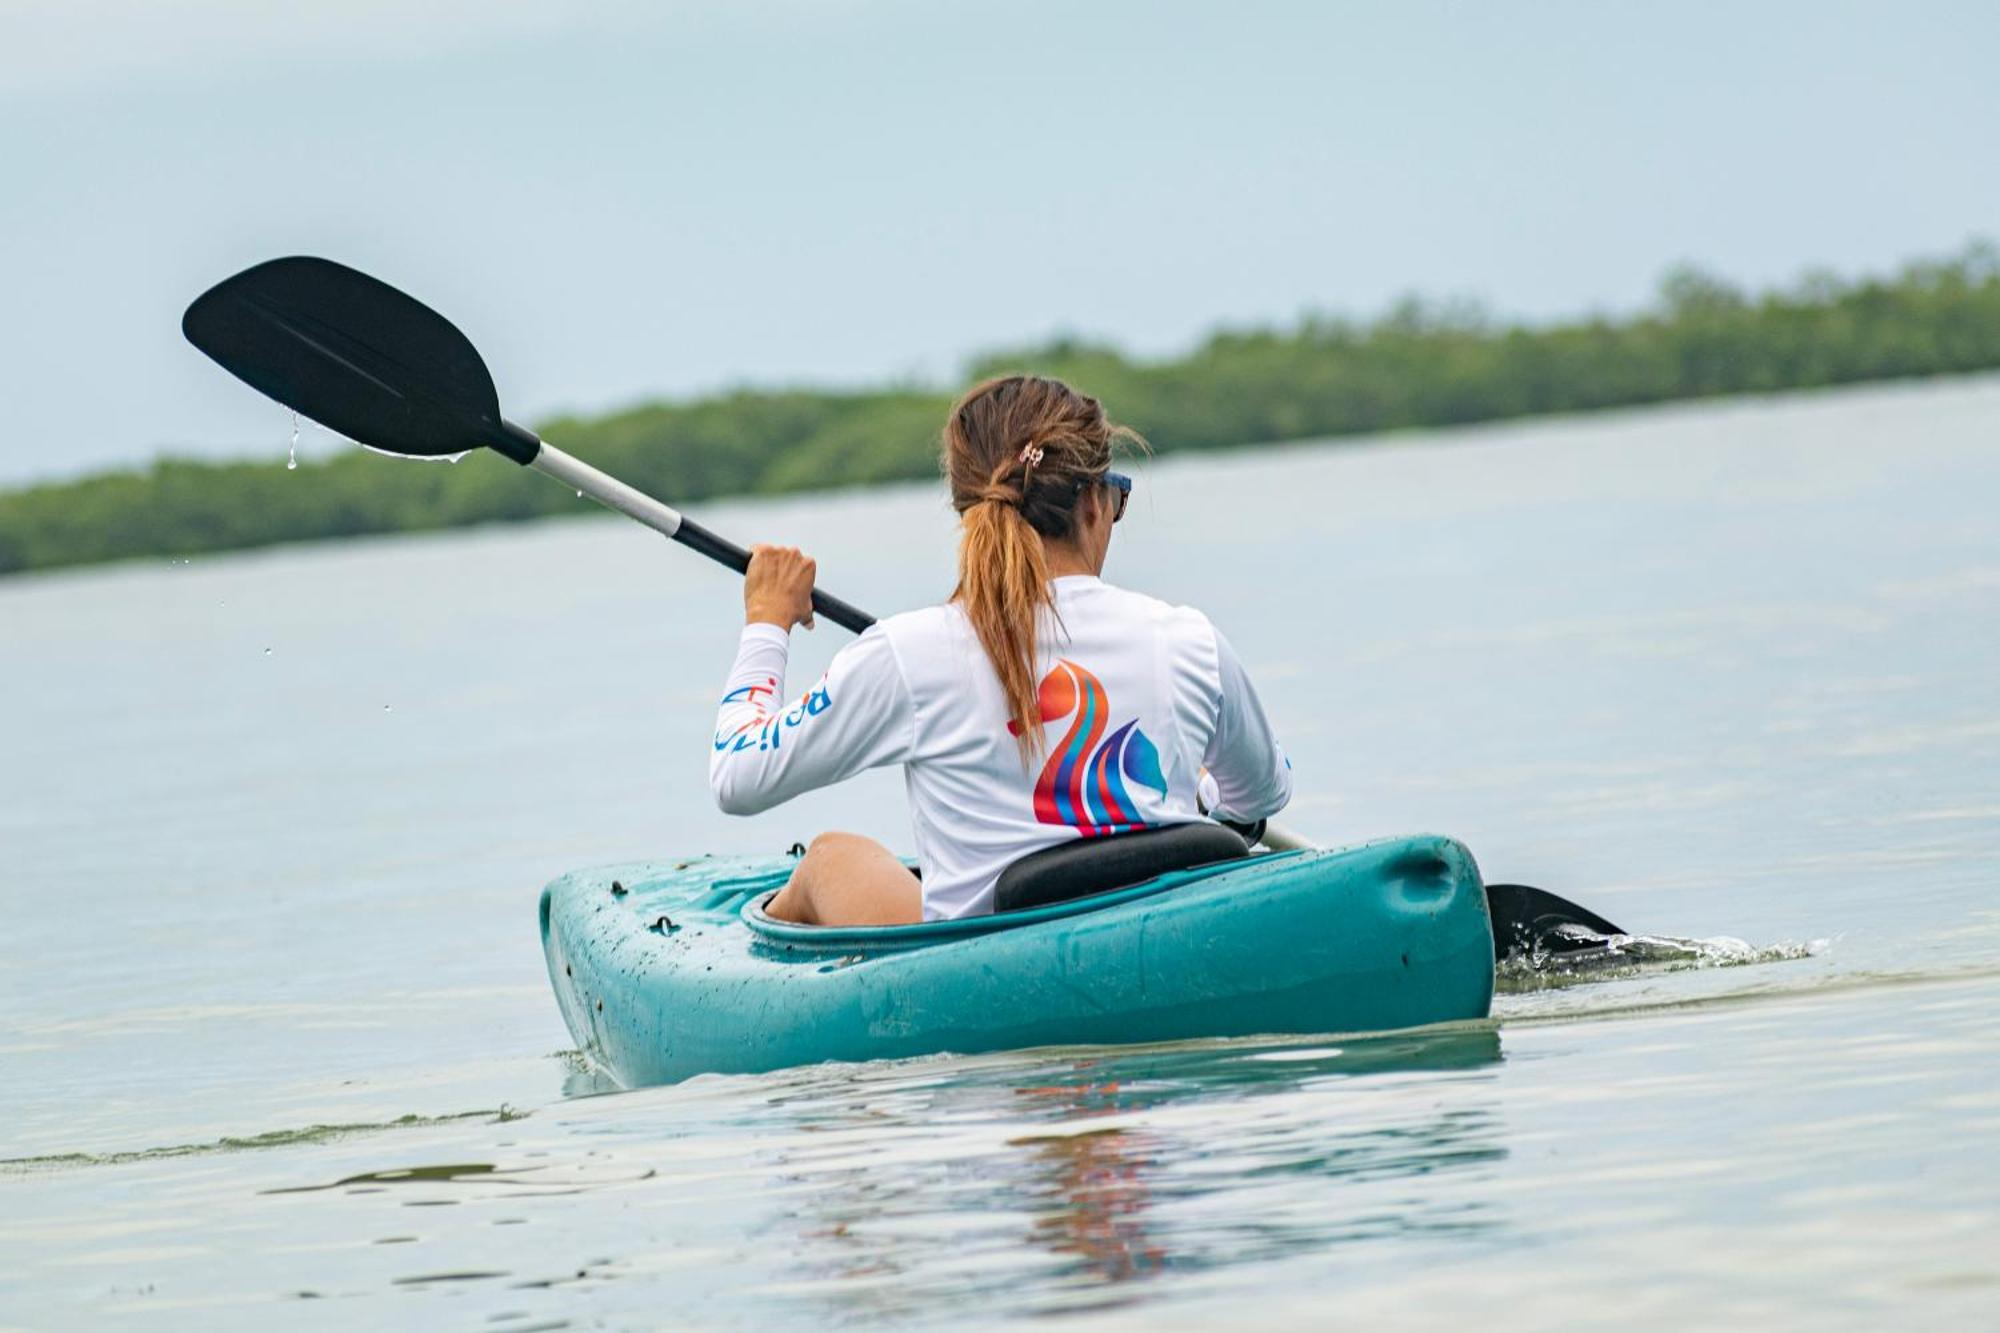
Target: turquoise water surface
[279, 1044]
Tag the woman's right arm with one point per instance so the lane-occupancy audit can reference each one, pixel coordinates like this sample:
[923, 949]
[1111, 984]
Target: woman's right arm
[858, 716]
[1253, 778]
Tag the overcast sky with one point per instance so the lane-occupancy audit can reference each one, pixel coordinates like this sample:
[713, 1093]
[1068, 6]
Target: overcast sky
[630, 199]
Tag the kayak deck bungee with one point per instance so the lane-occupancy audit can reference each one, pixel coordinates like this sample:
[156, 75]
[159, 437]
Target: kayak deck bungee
[669, 969]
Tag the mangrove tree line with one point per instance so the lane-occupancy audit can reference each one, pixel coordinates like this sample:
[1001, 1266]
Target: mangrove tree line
[1418, 365]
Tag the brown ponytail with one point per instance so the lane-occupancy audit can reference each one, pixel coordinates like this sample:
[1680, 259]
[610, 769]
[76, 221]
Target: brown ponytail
[1019, 451]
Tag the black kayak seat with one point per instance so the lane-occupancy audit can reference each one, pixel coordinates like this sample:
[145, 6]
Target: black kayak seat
[1071, 870]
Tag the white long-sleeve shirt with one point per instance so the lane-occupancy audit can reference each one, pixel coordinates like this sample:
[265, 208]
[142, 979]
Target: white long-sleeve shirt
[1137, 697]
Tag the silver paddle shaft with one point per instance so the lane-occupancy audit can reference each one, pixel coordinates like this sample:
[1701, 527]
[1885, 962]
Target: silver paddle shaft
[607, 490]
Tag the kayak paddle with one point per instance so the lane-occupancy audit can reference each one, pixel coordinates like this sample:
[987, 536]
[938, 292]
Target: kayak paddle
[385, 370]
[388, 372]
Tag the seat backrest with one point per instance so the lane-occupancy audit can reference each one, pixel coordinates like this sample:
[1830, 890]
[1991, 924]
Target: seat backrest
[1077, 869]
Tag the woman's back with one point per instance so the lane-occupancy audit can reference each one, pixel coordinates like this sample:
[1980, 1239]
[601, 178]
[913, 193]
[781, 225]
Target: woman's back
[1136, 698]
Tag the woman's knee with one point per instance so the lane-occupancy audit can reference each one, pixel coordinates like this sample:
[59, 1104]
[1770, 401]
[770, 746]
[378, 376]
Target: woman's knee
[794, 902]
[833, 843]
[849, 879]
[825, 856]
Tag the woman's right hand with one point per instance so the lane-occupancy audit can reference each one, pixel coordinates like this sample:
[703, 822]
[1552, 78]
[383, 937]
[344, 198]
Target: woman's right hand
[778, 586]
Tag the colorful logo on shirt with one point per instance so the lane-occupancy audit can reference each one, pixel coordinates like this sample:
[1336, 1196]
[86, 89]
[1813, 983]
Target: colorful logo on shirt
[761, 730]
[1083, 783]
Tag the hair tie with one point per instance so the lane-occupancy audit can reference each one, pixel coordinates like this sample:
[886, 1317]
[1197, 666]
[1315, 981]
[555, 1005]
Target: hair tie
[1031, 454]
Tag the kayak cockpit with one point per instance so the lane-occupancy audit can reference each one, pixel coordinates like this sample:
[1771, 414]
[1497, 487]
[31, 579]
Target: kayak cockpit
[876, 939]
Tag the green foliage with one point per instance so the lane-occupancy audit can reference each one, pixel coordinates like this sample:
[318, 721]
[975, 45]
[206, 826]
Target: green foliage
[1419, 364]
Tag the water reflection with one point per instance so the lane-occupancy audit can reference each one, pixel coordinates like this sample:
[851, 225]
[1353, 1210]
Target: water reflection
[1064, 1182]
[1098, 1198]
[1093, 1189]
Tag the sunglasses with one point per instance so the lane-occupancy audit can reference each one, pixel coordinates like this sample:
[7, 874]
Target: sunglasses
[1124, 485]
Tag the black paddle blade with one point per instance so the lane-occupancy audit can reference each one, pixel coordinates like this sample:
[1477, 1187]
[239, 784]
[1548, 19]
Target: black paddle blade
[1526, 920]
[355, 355]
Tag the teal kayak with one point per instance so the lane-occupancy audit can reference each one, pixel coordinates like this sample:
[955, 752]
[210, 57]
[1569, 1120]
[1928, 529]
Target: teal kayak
[668, 969]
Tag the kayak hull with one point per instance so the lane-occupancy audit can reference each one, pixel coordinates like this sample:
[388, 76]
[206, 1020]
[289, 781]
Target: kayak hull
[665, 970]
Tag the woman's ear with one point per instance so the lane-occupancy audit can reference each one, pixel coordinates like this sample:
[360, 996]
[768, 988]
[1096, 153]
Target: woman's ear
[1090, 508]
[1097, 522]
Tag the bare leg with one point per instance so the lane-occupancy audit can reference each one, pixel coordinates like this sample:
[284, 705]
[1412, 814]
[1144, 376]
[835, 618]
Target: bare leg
[845, 879]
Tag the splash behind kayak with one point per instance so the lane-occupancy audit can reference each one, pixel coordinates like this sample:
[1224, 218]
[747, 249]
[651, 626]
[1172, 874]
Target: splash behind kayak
[669, 969]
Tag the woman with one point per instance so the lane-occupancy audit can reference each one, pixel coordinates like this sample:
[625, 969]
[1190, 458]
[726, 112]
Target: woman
[1037, 706]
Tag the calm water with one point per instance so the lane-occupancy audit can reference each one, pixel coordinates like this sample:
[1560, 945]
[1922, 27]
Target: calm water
[278, 1044]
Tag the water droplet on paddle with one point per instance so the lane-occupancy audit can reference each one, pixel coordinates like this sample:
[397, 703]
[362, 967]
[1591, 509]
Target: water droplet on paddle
[579, 495]
[292, 462]
[387, 709]
[267, 652]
